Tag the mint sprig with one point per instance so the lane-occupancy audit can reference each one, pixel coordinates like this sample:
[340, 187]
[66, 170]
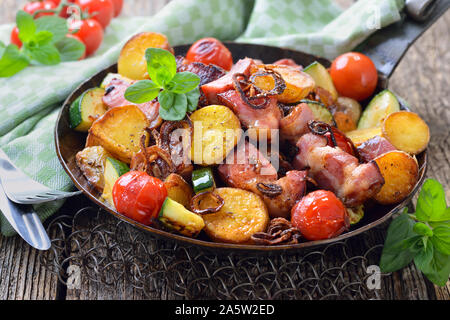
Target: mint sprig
[422, 237]
[44, 43]
[177, 93]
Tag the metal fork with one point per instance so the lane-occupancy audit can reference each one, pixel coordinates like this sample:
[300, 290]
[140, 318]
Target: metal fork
[24, 190]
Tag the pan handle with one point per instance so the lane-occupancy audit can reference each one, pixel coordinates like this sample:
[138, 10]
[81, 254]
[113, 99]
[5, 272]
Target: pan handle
[387, 46]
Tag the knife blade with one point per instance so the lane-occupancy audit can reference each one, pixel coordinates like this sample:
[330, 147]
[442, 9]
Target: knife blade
[25, 221]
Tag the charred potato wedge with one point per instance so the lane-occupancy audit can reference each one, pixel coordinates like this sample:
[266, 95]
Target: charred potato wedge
[406, 131]
[91, 161]
[400, 172]
[178, 189]
[119, 131]
[217, 130]
[298, 83]
[132, 63]
[242, 215]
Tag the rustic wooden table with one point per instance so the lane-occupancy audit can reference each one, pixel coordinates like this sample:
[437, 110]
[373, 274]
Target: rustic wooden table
[422, 78]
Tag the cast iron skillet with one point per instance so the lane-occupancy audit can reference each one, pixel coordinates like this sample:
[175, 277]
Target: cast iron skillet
[69, 142]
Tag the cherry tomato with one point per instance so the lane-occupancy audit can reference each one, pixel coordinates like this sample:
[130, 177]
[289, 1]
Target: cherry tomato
[320, 215]
[90, 32]
[210, 51]
[139, 196]
[32, 7]
[118, 5]
[100, 10]
[341, 141]
[354, 75]
[15, 37]
[69, 35]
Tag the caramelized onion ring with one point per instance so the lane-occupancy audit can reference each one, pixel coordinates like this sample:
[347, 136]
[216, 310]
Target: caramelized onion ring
[268, 189]
[278, 88]
[321, 128]
[197, 199]
[237, 86]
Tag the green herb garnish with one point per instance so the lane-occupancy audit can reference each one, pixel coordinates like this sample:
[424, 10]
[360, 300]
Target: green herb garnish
[177, 93]
[423, 237]
[44, 43]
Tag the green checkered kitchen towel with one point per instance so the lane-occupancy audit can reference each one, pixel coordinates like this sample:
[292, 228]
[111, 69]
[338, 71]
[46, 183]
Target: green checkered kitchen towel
[30, 100]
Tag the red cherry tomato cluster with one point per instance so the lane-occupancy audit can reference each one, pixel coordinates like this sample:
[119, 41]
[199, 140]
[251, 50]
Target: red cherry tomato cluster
[89, 30]
[139, 196]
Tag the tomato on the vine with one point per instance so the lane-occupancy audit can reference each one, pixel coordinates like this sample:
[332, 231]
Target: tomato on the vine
[90, 32]
[354, 75]
[139, 196]
[15, 37]
[320, 215]
[210, 51]
[32, 7]
[100, 10]
[118, 5]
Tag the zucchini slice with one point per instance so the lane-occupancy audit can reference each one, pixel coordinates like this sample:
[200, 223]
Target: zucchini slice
[322, 78]
[86, 109]
[175, 216]
[203, 180]
[113, 170]
[110, 76]
[355, 214]
[382, 105]
[321, 113]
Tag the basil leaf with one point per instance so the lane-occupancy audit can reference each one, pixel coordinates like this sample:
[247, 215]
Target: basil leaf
[142, 91]
[423, 229]
[161, 65]
[441, 239]
[438, 269]
[46, 54]
[70, 49]
[12, 61]
[424, 256]
[175, 111]
[43, 37]
[26, 25]
[183, 82]
[192, 99]
[2, 48]
[54, 24]
[394, 257]
[431, 205]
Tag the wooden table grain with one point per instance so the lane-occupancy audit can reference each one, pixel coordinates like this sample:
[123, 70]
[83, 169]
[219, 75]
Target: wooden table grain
[422, 78]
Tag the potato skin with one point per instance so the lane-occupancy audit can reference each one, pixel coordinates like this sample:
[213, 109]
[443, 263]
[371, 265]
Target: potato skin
[298, 84]
[119, 131]
[243, 214]
[406, 131]
[179, 190]
[400, 172]
[132, 63]
[217, 130]
[91, 161]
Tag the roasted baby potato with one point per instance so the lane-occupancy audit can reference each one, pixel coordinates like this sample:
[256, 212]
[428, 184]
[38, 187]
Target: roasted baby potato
[217, 130]
[119, 131]
[242, 215]
[298, 83]
[178, 189]
[400, 172]
[406, 131]
[132, 63]
[361, 135]
[91, 161]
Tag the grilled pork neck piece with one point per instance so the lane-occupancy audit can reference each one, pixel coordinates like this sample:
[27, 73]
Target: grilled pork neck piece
[114, 97]
[255, 120]
[225, 83]
[248, 169]
[336, 170]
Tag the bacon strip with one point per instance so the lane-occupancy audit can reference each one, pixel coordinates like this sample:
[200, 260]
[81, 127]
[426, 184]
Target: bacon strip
[114, 97]
[247, 167]
[295, 124]
[225, 83]
[338, 171]
[373, 148]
